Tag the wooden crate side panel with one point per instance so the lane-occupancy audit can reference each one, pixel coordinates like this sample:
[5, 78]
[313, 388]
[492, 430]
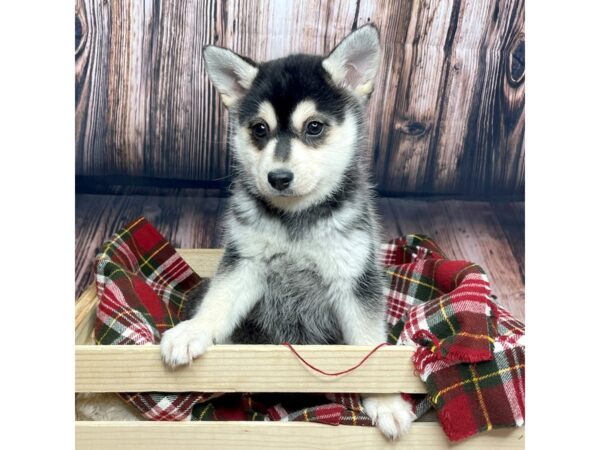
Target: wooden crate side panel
[85, 316]
[202, 261]
[246, 368]
[276, 435]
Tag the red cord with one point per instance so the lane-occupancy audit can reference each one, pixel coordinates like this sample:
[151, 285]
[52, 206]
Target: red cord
[333, 374]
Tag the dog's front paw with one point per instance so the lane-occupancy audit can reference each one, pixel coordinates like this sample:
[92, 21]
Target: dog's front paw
[184, 342]
[390, 413]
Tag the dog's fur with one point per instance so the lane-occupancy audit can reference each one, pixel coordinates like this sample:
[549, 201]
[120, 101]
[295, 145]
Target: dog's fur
[301, 261]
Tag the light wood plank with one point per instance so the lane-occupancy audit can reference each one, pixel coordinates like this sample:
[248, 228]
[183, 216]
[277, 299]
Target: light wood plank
[85, 316]
[246, 368]
[276, 435]
[203, 261]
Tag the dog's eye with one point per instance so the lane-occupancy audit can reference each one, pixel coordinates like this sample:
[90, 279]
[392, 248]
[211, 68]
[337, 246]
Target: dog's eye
[314, 128]
[260, 130]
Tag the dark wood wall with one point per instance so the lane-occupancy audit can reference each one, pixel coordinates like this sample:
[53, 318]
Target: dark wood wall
[447, 114]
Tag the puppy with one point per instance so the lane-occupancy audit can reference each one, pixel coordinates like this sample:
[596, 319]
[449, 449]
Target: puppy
[301, 260]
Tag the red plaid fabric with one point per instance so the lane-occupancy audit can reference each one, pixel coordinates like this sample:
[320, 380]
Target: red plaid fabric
[141, 282]
[469, 350]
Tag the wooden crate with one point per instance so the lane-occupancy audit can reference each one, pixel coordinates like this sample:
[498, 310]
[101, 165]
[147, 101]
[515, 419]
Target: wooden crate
[248, 368]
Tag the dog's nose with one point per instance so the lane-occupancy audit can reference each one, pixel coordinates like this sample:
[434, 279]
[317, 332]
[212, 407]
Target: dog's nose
[280, 179]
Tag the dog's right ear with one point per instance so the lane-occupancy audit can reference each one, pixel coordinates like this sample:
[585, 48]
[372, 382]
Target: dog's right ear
[231, 74]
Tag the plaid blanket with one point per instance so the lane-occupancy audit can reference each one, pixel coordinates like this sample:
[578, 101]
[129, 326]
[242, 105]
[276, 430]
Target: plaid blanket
[469, 350]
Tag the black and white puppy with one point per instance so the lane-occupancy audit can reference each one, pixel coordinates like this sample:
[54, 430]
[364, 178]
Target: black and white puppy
[301, 260]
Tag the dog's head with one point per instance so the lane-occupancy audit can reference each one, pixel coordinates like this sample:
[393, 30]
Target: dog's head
[296, 121]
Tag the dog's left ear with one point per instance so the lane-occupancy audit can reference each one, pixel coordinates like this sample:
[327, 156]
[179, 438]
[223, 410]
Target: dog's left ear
[353, 63]
[231, 74]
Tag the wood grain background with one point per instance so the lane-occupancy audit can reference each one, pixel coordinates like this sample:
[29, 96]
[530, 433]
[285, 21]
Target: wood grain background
[447, 115]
